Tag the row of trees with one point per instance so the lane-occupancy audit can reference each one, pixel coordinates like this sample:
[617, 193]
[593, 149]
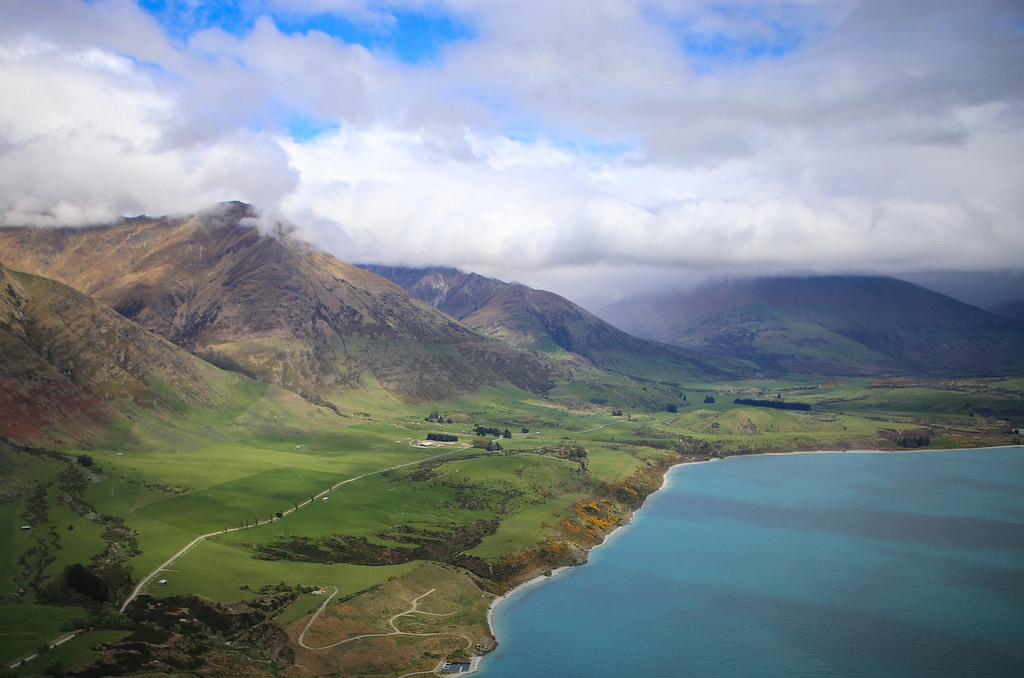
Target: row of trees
[443, 437]
[775, 404]
[493, 432]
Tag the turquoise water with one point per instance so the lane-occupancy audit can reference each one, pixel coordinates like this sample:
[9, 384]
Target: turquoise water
[849, 564]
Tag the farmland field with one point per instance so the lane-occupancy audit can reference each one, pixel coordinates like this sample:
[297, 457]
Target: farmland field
[364, 505]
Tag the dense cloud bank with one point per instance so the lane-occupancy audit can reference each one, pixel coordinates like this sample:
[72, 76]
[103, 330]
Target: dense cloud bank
[555, 143]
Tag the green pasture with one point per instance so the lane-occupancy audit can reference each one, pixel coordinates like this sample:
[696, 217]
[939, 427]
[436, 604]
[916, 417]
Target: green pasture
[253, 498]
[157, 541]
[79, 539]
[613, 465]
[527, 527]
[233, 406]
[75, 652]
[218, 571]
[357, 450]
[24, 627]
[363, 508]
[247, 458]
[243, 481]
[15, 543]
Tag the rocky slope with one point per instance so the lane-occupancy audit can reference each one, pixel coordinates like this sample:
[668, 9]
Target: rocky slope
[270, 306]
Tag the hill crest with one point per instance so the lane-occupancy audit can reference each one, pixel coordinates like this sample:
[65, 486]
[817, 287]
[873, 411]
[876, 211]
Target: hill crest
[843, 325]
[544, 321]
[271, 306]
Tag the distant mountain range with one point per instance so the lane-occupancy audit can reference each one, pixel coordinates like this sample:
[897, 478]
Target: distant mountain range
[841, 325]
[544, 321]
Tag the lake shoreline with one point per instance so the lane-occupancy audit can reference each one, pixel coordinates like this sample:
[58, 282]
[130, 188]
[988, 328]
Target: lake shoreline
[477, 659]
[540, 579]
[543, 650]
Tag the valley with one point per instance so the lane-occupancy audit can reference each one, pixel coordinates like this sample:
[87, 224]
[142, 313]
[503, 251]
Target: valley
[242, 456]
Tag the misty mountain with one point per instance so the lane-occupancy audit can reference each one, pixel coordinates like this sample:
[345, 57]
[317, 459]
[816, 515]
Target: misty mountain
[544, 321]
[270, 306]
[830, 325]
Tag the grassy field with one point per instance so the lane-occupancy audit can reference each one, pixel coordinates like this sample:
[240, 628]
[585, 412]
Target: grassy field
[397, 495]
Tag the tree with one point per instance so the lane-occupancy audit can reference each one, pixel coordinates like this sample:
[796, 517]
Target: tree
[671, 408]
[710, 400]
[87, 583]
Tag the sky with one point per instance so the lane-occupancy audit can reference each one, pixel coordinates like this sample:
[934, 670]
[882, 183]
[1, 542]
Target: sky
[595, 148]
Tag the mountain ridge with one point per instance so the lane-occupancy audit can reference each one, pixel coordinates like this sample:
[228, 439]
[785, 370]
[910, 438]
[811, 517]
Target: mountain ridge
[72, 370]
[544, 321]
[847, 325]
[271, 306]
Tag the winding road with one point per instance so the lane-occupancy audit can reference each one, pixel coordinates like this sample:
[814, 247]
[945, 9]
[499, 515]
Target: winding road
[149, 577]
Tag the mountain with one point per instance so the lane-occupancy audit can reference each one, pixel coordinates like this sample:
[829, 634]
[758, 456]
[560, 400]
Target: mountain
[74, 371]
[1010, 309]
[543, 321]
[271, 306]
[852, 325]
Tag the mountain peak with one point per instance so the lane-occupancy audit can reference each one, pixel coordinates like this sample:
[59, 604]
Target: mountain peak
[268, 305]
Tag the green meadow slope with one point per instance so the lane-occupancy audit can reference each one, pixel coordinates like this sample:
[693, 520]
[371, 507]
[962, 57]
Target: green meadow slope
[363, 506]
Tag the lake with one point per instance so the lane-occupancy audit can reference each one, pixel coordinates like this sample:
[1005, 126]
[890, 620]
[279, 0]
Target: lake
[845, 564]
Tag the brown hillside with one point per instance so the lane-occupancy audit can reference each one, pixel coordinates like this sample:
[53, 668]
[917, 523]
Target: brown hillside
[269, 305]
[71, 368]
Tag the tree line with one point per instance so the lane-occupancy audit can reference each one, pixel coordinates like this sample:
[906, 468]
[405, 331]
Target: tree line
[775, 404]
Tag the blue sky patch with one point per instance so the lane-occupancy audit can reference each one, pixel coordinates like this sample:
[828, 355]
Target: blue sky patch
[304, 128]
[181, 18]
[756, 32]
[409, 36]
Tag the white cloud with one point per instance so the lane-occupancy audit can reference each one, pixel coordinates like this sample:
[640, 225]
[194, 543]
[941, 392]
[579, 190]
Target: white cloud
[563, 144]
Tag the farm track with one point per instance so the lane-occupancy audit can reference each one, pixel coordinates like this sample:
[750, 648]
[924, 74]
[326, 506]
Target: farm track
[395, 631]
[145, 580]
